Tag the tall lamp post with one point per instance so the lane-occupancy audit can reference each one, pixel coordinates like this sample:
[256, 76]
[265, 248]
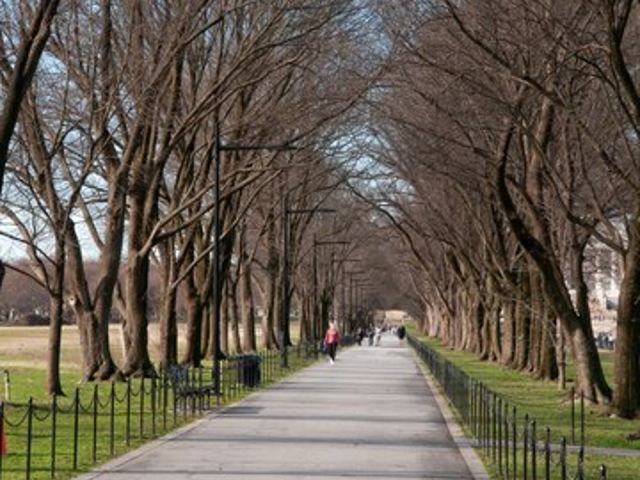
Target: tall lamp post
[352, 283]
[316, 310]
[217, 234]
[359, 300]
[343, 281]
[286, 234]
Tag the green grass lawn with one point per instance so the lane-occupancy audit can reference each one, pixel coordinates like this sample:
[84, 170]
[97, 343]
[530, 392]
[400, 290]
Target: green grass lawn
[111, 429]
[551, 407]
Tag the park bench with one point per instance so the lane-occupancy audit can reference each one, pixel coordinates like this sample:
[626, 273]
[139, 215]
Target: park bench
[190, 388]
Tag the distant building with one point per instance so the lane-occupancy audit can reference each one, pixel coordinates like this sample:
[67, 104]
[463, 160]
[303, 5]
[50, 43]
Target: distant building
[391, 317]
[603, 272]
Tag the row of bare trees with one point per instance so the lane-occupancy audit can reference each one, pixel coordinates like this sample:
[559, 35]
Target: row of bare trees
[514, 127]
[110, 150]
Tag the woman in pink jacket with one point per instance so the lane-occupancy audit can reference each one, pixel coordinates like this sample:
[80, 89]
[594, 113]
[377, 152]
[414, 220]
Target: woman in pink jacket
[331, 341]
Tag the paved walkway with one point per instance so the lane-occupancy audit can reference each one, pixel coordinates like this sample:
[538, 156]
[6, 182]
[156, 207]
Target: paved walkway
[370, 416]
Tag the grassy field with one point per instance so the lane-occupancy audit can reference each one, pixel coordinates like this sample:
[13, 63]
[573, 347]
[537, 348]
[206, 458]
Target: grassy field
[111, 419]
[27, 346]
[551, 407]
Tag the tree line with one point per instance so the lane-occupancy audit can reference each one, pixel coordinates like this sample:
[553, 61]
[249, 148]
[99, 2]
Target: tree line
[492, 145]
[114, 116]
[513, 126]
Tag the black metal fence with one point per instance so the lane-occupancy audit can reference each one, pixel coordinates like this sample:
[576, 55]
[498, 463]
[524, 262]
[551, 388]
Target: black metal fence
[95, 424]
[511, 441]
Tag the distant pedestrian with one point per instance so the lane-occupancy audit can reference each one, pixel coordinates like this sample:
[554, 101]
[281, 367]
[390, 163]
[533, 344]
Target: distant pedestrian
[332, 340]
[401, 333]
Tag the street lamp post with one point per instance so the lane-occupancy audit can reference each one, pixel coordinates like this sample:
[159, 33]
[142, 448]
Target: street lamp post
[351, 294]
[284, 321]
[361, 309]
[316, 310]
[217, 233]
[343, 281]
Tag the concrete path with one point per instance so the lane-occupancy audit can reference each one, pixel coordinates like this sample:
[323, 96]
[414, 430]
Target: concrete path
[370, 416]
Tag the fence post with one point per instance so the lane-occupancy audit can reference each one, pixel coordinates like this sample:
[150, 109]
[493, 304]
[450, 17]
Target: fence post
[153, 406]
[534, 450]
[165, 394]
[200, 394]
[4, 447]
[506, 439]
[112, 420]
[494, 423]
[525, 447]
[192, 382]
[487, 420]
[603, 472]
[582, 419]
[486, 398]
[581, 464]
[3, 438]
[76, 427]
[514, 439]
[127, 431]
[29, 435]
[500, 446]
[573, 415]
[563, 458]
[547, 455]
[54, 428]
[141, 410]
[474, 410]
[476, 423]
[95, 423]
[481, 427]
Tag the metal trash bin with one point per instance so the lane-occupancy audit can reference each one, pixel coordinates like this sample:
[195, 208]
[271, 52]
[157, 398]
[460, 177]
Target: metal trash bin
[248, 367]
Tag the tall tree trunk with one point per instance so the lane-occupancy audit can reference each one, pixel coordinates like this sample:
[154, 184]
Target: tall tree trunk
[537, 317]
[168, 330]
[271, 319]
[620, 19]
[522, 324]
[56, 308]
[589, 375]
[168, 315]
[225, 315]
[193, 331]
[197, 328]
[548, 362]
[138, 361]
[207, 324]
[305, 318]
[508, 332]
[484, 319]
[247, 307]
[495, 349]
[627, 354]
[561, 356]
[235, 345]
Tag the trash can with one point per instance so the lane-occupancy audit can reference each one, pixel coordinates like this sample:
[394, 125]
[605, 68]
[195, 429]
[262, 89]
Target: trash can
[248, 365]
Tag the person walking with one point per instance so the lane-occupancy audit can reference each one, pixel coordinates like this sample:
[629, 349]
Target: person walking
[332, 340]
[378, 335]
[401, 332]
